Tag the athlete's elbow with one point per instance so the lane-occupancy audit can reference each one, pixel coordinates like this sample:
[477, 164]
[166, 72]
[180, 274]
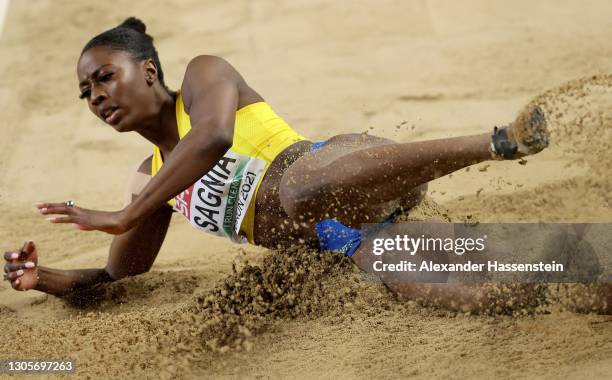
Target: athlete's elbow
[224, 141]
[116, 274]
[113, 274]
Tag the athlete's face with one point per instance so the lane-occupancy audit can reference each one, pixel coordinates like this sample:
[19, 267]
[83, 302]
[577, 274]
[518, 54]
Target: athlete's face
[117, 87]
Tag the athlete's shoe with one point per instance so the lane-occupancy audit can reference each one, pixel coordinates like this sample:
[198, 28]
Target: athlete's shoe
[527, 135]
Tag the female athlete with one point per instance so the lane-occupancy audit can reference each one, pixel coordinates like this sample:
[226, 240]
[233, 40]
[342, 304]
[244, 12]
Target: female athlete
[226, 161]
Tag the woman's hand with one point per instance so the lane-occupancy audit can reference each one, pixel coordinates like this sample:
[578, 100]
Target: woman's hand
[21, 268]
[112, 222]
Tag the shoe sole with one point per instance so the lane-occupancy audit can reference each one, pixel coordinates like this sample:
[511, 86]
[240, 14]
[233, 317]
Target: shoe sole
[530, 130]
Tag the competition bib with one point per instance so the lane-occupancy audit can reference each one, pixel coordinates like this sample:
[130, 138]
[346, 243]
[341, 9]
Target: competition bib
[217, 202]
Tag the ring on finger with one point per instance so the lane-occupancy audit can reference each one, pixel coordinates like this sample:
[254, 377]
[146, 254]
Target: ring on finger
[70, 203]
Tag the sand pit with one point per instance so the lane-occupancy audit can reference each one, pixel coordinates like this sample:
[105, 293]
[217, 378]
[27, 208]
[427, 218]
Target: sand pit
[210, 309]
[579, 119]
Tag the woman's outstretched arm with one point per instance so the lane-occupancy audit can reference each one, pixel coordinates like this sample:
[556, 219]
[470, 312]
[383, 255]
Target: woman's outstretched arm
[210, 94]
[131, 253]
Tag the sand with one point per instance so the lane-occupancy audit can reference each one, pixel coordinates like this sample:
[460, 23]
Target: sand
[409, 71]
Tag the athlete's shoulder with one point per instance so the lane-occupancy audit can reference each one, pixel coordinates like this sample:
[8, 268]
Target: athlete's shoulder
[210, 67]
[207, 59]
[206, 74]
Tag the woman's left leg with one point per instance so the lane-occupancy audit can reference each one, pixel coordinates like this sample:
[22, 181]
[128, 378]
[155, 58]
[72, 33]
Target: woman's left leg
[343, 178]
[340, 180]
[274, 228]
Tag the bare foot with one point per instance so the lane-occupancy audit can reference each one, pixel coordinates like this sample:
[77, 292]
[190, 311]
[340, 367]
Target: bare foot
[21, 267]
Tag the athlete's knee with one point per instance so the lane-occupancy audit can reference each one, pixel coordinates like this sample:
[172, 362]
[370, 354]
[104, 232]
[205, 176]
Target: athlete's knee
[301, 198]
[414, 197]
[295, 200]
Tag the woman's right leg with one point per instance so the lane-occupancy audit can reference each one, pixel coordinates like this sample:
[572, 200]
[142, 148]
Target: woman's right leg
[444, 290]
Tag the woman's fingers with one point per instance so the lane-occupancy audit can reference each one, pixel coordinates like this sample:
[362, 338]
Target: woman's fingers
[72, 214]
[85, 219]
[12, 276]
[11, 267]
[77, 221]
[59, 208]
[15, 278]
[11, 255]
[15, 284]
[20, 266]
[63, 219]
[28, 247]
[83, 227]
[50, 205]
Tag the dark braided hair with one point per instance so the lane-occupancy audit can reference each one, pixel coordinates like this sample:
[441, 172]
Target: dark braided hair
[129, 36]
